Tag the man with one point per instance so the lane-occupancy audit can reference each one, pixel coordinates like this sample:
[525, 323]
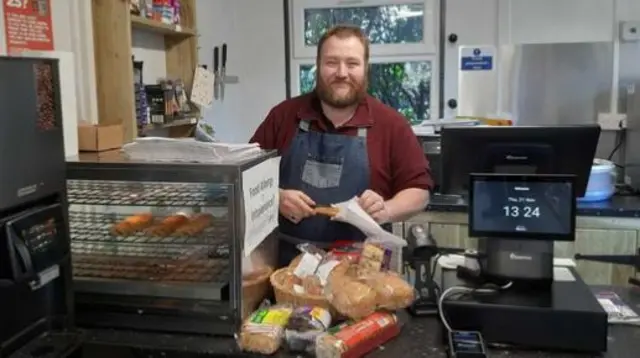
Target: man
[338, 142]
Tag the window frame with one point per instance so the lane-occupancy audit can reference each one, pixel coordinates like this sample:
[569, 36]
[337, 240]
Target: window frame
[435, 78]
[381, 53]
[430, 27]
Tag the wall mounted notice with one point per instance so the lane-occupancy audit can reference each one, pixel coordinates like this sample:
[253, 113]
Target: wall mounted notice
[260, 190]
[476, 58]
[27, 25]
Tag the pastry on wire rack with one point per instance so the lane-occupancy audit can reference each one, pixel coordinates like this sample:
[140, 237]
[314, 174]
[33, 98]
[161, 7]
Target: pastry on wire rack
[131, 224]
[195, 226]
[167, 226]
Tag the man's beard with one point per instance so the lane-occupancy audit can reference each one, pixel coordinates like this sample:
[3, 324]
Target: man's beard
[328, 95]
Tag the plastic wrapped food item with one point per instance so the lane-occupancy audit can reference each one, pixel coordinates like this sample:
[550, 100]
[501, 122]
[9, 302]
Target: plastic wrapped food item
[332, 267]
[305, 325]
[307, 263]
[290, 282]
[350, 297]
[311, 285]
[392, 291]
[347, 250]
[352, 340]
[263, 331]
[373, 258]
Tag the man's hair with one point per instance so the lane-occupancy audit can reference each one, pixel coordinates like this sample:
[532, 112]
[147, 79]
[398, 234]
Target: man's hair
[343, 32]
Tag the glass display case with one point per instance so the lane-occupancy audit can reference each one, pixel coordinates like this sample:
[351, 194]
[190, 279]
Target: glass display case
[157, 246]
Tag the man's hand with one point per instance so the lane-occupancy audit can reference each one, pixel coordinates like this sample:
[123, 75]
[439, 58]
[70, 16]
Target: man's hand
[295, 205]
[373, 204]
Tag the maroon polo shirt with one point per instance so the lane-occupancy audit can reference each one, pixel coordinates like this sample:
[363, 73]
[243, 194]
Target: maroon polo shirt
[396, 159]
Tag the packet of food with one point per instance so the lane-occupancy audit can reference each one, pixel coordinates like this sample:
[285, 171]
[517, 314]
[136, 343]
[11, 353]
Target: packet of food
[392, 291]
[305, 325]
[347, 250]
[263, 331]
[308, 261]
[355, 339]
[352, 298]
[374, 257]
[332, 266]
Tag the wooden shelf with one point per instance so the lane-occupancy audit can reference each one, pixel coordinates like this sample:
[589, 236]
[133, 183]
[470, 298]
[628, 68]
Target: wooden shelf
[113, 25]
[144, 24]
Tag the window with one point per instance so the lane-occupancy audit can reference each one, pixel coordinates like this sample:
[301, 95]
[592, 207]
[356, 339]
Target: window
[403, 70]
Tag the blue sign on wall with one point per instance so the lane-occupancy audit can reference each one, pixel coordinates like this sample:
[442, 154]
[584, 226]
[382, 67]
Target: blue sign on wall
[475, 59]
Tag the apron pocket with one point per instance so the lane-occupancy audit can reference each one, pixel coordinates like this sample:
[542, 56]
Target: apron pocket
[322, 174]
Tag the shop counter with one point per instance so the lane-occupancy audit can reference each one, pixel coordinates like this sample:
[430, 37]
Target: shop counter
[420, 338]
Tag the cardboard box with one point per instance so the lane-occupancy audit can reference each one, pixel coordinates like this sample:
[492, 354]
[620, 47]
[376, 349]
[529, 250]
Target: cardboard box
[97, 138]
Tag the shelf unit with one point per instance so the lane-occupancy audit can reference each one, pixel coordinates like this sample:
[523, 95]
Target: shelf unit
[112, 28]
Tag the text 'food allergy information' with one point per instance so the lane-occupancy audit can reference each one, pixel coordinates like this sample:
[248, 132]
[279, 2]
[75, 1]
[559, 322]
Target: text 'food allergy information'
[260, 190]
[27, 25]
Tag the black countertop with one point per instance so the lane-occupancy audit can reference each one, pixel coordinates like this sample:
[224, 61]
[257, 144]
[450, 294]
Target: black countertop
[420, 337]
[627, 206]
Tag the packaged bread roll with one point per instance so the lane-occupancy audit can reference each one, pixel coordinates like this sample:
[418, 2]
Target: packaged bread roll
[392, 291]
[351, 298]
[263, 331]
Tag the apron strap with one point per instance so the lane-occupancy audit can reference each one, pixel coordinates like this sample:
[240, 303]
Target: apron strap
[304, 125]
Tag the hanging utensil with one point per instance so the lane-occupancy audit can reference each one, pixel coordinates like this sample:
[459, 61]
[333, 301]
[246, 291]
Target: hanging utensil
[223, 71]
[216, 72]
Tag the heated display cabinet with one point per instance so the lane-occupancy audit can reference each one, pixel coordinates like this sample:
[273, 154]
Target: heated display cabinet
[157, 246]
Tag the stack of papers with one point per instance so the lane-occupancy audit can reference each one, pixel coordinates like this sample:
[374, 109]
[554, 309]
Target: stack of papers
[189, 150]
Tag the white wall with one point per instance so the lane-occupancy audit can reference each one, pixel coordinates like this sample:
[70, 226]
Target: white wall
[149, 48]
[498, 22]
[254, 33]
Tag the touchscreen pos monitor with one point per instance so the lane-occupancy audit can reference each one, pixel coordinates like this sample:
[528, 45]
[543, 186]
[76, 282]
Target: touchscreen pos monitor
[518, 217]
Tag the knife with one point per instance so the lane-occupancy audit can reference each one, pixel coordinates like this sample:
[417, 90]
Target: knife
[216, 72]
[223, 70]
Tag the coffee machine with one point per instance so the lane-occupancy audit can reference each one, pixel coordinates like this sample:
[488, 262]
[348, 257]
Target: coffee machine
[36, 305]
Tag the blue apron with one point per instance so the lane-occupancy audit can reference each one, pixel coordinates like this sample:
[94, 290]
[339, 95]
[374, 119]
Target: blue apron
[329, 168]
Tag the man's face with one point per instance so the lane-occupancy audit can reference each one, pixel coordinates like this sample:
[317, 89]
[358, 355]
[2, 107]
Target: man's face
[342, 74]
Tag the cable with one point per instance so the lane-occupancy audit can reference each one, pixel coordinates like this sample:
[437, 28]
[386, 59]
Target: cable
[462, 289]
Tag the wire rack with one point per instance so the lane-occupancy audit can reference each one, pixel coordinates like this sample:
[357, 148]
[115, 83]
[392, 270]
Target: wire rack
[90, 192]
[95, 227]
[99, 260]
[98, 254]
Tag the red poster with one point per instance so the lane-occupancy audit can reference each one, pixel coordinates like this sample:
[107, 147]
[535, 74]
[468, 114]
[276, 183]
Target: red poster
[27, 25]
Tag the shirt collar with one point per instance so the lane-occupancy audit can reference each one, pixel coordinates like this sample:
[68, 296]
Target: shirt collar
[312, 110]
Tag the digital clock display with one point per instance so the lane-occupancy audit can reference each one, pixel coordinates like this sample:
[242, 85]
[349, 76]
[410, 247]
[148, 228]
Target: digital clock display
[522, 207]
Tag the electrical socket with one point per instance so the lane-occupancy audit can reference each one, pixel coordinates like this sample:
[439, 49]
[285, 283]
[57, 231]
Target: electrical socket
[612, 121]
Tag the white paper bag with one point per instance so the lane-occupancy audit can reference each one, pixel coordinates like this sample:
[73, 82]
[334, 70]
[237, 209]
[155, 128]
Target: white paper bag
[350, 212]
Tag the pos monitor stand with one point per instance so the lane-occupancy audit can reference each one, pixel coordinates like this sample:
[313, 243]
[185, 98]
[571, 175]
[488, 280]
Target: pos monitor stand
[519, 217]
